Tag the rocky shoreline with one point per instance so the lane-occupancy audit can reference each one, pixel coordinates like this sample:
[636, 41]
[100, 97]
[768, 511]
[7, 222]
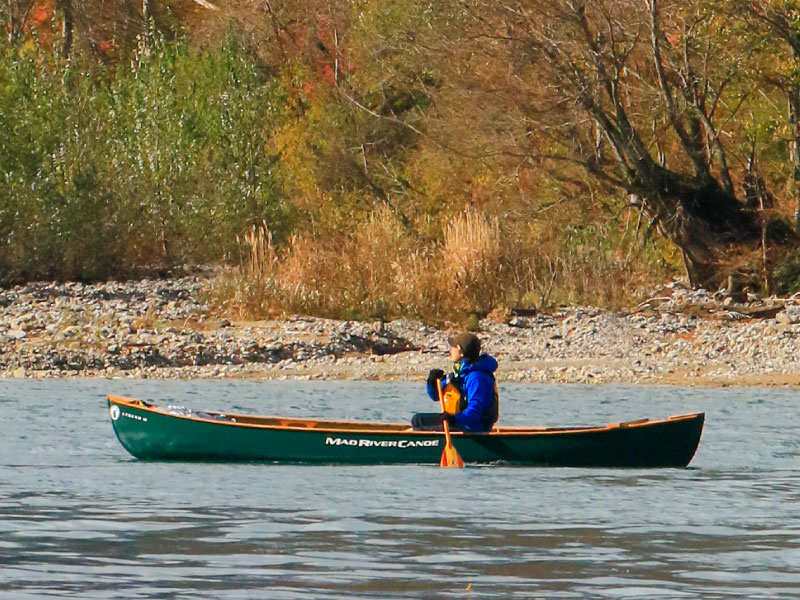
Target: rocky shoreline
[164, 329]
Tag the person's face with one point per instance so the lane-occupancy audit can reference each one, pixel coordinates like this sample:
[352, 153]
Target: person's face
[456, 354]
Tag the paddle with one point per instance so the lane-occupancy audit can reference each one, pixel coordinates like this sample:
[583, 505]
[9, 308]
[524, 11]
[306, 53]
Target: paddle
[450, 456]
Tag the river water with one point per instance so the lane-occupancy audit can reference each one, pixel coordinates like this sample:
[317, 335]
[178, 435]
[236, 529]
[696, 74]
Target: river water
[80, 518]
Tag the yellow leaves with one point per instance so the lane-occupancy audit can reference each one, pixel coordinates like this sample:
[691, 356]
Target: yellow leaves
[296, 142]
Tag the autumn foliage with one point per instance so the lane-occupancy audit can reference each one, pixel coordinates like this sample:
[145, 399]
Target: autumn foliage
[379, 159]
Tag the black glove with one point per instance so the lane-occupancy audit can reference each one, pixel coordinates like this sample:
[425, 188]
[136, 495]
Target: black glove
[434, 375]
[449, 418]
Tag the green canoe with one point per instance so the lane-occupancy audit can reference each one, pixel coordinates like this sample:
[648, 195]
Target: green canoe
[149, 431]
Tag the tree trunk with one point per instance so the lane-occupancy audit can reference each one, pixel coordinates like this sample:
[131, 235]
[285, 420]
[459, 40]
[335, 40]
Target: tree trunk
[701, 219]
[18, 13]
[693, 211]
[148, 25]
[794, 115]
[67, 28]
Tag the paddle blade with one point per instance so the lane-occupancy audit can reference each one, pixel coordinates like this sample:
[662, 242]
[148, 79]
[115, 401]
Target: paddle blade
[451, 457]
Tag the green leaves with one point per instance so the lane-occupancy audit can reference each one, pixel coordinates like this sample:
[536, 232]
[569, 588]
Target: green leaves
[150, 166]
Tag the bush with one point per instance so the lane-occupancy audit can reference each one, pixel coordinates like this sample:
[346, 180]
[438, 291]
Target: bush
[786, 277]
[161, 163]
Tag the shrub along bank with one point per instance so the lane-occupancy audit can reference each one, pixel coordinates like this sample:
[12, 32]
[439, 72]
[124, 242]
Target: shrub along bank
[107, 172]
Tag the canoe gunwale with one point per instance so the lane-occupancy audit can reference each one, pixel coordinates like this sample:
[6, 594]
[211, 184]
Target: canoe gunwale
[363, 427]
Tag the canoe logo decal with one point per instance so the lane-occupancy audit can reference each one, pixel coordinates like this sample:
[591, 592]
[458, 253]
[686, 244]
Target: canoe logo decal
[331, 441]
[116, 413]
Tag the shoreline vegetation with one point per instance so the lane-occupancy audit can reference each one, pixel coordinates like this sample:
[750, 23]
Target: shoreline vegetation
[455, 164]
[166, 328]
[407, 162]
[190, 156]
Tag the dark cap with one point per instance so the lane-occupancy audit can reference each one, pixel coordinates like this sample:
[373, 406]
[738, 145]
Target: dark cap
[468, 343]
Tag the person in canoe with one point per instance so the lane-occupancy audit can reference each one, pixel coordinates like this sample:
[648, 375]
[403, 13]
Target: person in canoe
[470, 391]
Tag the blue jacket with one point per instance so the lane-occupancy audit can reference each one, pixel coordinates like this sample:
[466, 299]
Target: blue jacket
[477, 382]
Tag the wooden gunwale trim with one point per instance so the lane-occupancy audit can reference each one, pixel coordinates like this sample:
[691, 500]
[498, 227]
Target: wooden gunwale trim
[358, 427]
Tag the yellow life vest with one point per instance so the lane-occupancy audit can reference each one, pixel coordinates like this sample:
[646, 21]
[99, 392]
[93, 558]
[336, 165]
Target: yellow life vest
[452, 399]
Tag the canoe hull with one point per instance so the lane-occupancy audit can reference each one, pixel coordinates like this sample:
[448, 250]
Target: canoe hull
[149, 432]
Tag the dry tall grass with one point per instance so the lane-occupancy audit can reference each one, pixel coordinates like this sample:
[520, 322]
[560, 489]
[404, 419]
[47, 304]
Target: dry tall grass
[473, 260]
[383, 270]
[379, 270]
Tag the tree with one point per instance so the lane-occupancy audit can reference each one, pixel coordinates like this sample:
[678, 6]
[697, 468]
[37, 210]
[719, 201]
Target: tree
[14, 15]
[638, 95]
[779, 21]
[67, 27]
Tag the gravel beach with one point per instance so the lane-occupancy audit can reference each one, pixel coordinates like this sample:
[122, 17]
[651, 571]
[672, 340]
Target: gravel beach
[163, 329]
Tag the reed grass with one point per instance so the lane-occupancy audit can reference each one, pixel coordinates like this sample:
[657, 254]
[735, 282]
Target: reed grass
[379, 270]
[384, 270]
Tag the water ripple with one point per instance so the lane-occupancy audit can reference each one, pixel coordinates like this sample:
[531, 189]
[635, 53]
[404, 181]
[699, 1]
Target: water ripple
[80, 518]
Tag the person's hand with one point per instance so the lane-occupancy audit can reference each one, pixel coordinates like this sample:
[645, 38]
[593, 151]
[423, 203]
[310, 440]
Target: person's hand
[434, 375]
[448, 417]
